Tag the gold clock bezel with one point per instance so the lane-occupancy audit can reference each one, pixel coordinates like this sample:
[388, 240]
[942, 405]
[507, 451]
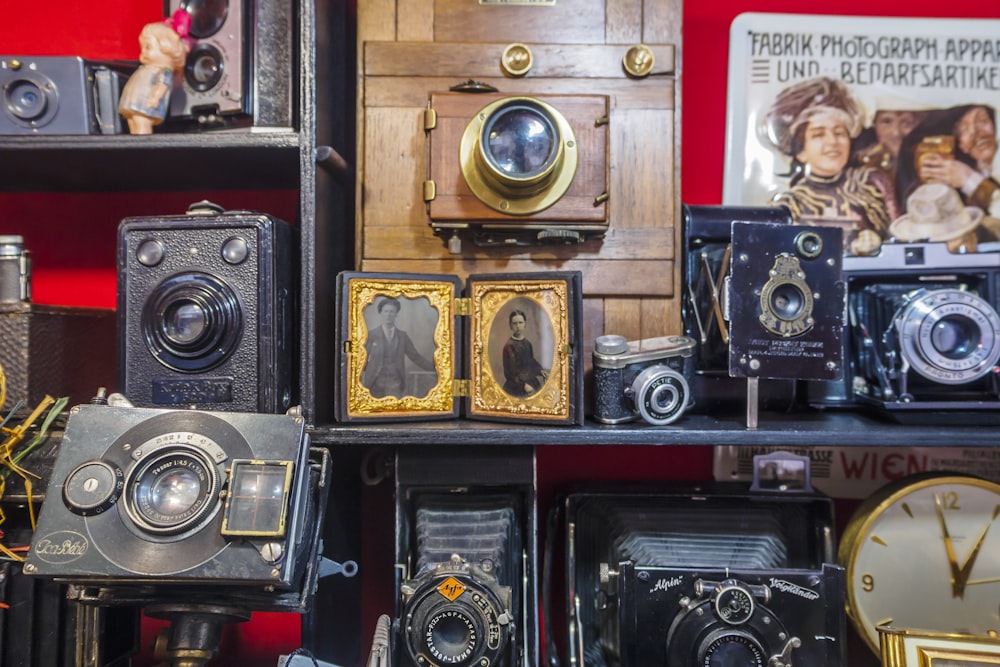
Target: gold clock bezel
[869, 512]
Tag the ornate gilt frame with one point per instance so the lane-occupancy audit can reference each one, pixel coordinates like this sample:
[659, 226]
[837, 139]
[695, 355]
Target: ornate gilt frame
[491, 300]
[361, 291]
[469, 335]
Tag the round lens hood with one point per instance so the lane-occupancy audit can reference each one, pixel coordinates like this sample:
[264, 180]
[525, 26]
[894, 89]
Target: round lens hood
[192, 322]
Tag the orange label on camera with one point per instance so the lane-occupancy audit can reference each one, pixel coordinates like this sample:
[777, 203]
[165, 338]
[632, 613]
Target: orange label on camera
[451, 588]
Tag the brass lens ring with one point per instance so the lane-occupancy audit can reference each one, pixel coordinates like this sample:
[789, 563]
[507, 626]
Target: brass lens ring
[518, 155]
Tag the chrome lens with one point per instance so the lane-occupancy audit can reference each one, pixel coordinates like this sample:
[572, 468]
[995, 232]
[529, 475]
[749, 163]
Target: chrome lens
[171, 490]
[950, 336]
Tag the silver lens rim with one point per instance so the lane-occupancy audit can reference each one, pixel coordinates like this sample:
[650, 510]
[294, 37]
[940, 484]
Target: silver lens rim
[915, 324]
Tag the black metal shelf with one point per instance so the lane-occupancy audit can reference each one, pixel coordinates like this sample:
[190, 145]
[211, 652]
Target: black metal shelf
[799, 429]
[227, 159]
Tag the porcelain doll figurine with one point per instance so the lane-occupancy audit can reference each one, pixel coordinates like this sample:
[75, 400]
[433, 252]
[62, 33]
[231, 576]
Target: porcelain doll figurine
[145, 98]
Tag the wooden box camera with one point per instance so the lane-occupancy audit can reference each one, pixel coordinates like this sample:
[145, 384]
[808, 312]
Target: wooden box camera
[517, 137]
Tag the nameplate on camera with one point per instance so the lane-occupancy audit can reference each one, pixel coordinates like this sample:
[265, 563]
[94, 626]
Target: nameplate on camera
[168, 391]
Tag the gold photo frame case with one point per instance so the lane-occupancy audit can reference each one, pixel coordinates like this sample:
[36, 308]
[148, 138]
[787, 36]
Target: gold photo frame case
[506, 350]
[904, 647]
[494, 303]
[363, 293]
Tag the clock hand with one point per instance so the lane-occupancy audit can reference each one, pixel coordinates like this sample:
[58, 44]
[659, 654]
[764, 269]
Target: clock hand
[956, 590]
[966, 569]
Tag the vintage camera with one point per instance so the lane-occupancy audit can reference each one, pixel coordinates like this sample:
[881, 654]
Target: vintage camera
[240, 69]
[786, 301]
[507, 166]
[703, 575]
[207, 305]
[765, 300]
[159, 505]
[924, 333]
[645, 378]
[466, 562]
[61, 95]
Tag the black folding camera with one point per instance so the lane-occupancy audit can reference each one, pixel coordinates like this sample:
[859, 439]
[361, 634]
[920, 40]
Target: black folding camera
[157, 506]
[467, 562]
[703, 575]
[645, 378]
[924, 333]
[61, 95]
[207, 305]
[766, 299]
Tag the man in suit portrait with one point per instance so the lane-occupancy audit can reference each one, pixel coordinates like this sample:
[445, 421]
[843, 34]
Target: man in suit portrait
[388, 348]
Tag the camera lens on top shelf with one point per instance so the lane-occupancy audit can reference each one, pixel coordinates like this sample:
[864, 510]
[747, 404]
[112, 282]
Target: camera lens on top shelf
[207, 16]
[15, 270]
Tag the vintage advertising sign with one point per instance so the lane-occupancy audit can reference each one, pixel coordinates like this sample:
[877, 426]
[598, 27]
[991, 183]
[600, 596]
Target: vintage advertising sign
[911, 102]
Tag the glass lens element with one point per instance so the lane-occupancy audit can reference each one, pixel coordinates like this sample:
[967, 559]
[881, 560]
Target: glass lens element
[520, 140]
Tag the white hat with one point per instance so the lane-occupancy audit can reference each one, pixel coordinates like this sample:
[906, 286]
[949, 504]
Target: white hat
[935, 212]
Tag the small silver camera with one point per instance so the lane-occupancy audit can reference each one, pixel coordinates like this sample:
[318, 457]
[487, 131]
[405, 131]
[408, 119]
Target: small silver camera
[645, 378]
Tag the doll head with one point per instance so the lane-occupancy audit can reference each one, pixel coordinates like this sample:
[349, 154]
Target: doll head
[162, 46]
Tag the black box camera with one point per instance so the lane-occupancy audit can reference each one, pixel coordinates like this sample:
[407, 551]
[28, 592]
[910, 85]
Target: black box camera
[923, 332]
[466, 561]
[61, 95]
[703, 575]
[207, 305]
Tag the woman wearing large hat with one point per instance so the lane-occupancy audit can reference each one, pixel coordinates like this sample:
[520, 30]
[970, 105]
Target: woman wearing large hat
[813, 123]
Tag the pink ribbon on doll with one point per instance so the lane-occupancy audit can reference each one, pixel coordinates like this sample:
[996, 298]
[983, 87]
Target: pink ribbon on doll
[180, 21]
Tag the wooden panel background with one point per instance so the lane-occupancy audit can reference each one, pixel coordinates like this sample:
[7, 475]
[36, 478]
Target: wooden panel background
[409, 49]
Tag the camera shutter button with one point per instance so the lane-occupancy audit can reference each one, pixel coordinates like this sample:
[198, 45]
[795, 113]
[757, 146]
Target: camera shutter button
[93, 487]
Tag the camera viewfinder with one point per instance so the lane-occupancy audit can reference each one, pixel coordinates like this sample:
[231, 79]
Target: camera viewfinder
[257, 503]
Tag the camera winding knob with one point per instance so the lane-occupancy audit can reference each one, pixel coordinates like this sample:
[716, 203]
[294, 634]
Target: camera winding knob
[93, 487]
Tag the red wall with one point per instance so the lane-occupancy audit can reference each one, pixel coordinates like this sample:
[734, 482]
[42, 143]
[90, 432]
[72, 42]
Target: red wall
[72, 235]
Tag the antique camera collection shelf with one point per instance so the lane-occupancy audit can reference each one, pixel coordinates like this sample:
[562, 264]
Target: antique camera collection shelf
[285, 159]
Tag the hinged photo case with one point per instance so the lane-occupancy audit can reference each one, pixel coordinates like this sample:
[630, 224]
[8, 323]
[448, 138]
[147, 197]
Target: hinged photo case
[418, 347]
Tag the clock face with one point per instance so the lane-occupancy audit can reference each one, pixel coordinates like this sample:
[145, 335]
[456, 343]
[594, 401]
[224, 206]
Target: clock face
[926, 554]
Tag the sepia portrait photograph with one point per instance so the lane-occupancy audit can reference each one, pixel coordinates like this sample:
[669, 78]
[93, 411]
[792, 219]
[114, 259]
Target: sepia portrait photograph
[398, 360]
[521, 347]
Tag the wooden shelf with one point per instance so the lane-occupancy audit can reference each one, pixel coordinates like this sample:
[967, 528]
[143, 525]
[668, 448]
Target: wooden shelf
[228, 159]
[798, 429]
